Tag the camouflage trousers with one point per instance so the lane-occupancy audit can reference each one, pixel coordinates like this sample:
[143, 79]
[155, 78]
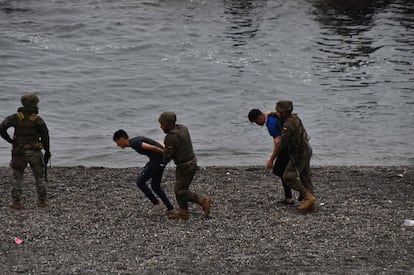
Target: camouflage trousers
[298, 177]
[19, 163]
[183, 179]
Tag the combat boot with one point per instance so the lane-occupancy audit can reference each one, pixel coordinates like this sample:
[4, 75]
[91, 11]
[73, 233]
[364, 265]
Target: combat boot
[313, 208]
[42, 203]
[182, 214]
[308, 201]
[205, 203]
[15, 204]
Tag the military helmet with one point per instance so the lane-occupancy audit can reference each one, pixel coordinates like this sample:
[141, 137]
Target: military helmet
[168, 118]
[284, 106]
[29, 100]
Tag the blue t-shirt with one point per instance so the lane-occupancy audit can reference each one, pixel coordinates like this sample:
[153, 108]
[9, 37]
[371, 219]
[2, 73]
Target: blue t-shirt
[136, 144]
[272, 124]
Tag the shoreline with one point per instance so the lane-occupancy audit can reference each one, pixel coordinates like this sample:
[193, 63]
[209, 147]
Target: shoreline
[172, 166]
[97, 223]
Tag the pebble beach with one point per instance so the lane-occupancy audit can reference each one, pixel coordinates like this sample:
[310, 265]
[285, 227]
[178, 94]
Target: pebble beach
[97, 223]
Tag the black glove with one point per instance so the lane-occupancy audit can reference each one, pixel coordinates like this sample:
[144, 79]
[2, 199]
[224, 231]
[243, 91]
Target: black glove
[47, 156]
[7, 138]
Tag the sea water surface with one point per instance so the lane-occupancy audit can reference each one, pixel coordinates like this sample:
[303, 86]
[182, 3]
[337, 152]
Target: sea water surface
[103, 65]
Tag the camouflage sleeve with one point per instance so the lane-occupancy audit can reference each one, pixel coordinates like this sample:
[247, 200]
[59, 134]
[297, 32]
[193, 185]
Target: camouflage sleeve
[6, 124]
[171, 142]
[44, 134]
[287, 130]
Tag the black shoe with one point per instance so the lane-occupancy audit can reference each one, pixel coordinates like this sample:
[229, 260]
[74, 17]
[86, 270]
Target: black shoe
[285, 201]
[42, 203]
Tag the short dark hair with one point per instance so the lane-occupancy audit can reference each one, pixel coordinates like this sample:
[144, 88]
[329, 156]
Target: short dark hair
[254, 114]
[120, 134]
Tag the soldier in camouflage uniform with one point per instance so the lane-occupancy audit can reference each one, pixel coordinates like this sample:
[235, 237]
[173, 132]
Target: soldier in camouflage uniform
[295, 139]
[30, 137]
[178, 147]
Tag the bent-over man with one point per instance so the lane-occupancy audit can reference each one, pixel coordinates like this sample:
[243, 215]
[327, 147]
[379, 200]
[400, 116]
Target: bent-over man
[273, 125]
[153, 169]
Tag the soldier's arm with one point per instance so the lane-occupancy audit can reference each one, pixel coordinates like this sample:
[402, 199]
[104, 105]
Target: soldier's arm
[171, 144]
[44, 134]
[6, 124]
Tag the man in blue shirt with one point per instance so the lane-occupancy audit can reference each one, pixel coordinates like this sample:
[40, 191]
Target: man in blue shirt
[273, 126]
[153, 169]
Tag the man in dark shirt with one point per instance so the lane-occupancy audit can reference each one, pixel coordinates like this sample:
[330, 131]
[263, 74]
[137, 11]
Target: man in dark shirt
[178, 147]
[153, 169]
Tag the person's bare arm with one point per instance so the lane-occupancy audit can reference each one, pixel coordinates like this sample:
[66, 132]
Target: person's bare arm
[275, 153]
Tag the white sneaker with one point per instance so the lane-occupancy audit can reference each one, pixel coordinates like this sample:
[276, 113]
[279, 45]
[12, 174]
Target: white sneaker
[156, 209]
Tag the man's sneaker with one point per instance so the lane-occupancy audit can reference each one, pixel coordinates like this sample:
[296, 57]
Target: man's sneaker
[15, 204]
[156, 209]
[42, 203]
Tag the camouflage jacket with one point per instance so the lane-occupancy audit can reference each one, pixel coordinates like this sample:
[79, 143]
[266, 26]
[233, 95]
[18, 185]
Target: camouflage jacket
[294, 138]
[30, 130]
[178, 146]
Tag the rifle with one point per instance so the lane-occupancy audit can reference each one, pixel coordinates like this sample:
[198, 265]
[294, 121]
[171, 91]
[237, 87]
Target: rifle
[46, 159]
[46, 172]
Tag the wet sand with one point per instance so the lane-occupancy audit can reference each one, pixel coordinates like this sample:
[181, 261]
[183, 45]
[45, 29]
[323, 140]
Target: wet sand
[97, 223]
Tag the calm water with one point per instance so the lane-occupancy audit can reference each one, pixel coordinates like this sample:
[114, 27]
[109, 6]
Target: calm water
[99, 66]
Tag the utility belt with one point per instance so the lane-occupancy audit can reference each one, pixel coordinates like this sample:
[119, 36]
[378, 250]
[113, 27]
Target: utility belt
[28, 146]
[187, 164]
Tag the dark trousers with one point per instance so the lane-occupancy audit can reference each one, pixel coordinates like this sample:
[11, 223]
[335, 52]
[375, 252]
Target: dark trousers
[286, 190]
[19, 163]
[279, 168]
[153, 170]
